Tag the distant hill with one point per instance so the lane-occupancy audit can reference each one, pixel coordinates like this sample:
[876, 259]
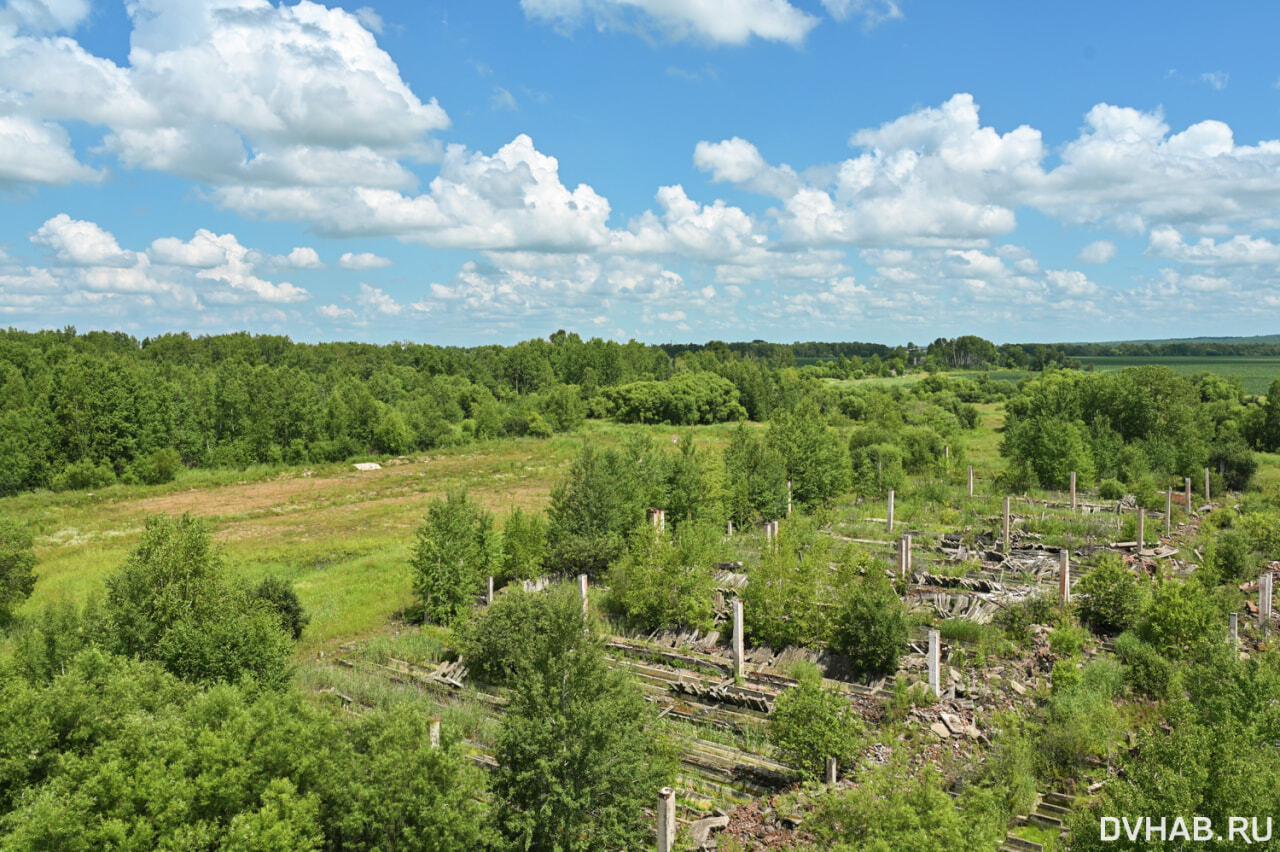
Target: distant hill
[1258, 338]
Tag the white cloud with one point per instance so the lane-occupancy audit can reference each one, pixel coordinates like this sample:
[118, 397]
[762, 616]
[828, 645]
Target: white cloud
[236, 271]
[502, 99]
[672, 316]
[376, 301]
[45, 15]
[371, 20]
[714, 21]
[335, 312]
[303, 257]
[202, 251]
[1071, 282]
[81, 243]
[38, 152]
[297, 94]
[1097, 252]
[1216, 79]
[872, 12]
[738, 161]
[1240, 250]
[362, 260]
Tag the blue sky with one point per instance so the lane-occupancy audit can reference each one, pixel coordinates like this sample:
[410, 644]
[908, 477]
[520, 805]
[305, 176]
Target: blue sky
[668, 170]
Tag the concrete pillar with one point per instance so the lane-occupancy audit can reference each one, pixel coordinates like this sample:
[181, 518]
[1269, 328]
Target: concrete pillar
[739, 653]
[1005, 527]
[1264, 599]
[731, 528]
[788, 498]
[906, 552]
[890, 510]
[1064, 577]
[1142, 528]
[666, 819]
[434, 735]
[658, 517]
[488, 598]
[902, 557]
[1235, 629]
[582, 592]
[1073, 490]
[1168, 512]
[768, 534]
[831, 771]
[935, 684]
[970, 480]
[1206, 485]
[946, 452]
[1187, 485]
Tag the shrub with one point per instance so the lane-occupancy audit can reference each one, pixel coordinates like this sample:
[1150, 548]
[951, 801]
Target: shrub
[495, 643]
[456, 550]
[84, 474]
[524, 545]
[1065, 674]
[278, 595]
[1145, 671]
[1067, 641]
[810, 723]
[17, 567]
[1110, 597]
[1181, 617]
[872, 626]
[159, 467]
[662, 582]
[1110, 489]
[1017, 618]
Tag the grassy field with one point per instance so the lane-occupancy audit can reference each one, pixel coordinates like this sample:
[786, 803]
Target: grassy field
[1256, 374]
[342, 536]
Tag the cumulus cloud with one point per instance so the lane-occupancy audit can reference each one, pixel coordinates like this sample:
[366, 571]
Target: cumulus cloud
[45, 15]
[303, 257]
[738, 161]
[1240, 250]
[1097, 252]
[716, 21]
[38, 152]
[303, 94]
[362, 260]
[81, 243]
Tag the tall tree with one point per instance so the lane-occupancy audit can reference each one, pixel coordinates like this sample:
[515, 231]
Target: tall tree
[457, 549]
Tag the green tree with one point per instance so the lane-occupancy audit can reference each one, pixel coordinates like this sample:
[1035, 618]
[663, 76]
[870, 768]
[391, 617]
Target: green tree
[279, 596]
[17, 567]
[665, 581]
[1180, 618]
[596, 505]
[810, 723]
[817, 460]
[457, 548]
[1110, 597]
[872, 626]
[755, 477]
[524, 545]
[579, 753]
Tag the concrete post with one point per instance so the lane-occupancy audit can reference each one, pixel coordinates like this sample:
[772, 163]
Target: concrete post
[1168, 512]
[1005, 527]
[902, 557]
[1187, 485]
[1142, 529]
[906, 552]
[946, 452]
[831, 771]
[890, 510]
[768, 534]
[1206, 485]
[788, 498]
[1064, 577]
[739, 655]
[658, 517]
[970, 480]
[935, 685]
[666, 819]
[582, 592]
[434, 735]
[488, 598]
[1073, 490]
[1264, 599]
[1235, 629]
[731, 528]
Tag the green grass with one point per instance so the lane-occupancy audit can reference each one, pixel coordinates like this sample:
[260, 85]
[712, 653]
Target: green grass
[1256, 374]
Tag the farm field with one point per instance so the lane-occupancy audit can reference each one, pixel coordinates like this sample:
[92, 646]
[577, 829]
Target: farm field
[1256, 374]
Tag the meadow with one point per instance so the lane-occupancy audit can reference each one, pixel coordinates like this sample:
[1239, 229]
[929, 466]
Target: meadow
[1256, 374]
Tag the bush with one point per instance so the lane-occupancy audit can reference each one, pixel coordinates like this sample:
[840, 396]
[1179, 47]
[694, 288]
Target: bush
[17, 567]
[1110, 489]
[1016, 619]
[278, 595]
[1180, 618]
[810, 723]
[1065, 675]
[1145, 671]
[662, 582]
[495, 643]
[159, 467]
[872, 627]
[1067, 641]
[524, 546]
[84, 474]
[1109, 598]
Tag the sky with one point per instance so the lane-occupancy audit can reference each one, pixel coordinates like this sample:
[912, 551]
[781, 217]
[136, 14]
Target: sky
[481, 172]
